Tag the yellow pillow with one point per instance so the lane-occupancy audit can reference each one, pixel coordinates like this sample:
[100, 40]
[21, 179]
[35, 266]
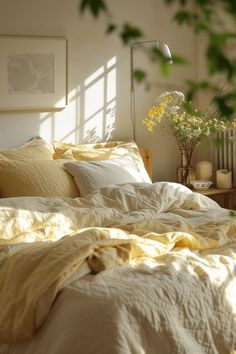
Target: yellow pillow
[35, 149]
[46, 178]
[100, 151]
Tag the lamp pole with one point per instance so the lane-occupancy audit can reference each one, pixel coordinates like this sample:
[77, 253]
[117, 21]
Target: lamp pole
[165, 51]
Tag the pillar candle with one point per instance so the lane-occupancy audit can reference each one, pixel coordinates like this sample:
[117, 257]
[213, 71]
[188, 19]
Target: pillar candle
[223, 178]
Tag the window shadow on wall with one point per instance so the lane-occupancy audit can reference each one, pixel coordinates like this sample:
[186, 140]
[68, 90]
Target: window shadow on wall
[91, 112]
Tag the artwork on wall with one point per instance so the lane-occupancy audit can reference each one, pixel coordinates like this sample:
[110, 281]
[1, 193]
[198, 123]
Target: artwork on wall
[33, 73]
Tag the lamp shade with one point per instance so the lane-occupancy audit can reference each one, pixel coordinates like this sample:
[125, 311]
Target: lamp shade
[165, 51]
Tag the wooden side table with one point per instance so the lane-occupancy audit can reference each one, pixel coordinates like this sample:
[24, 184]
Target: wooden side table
[227, 193]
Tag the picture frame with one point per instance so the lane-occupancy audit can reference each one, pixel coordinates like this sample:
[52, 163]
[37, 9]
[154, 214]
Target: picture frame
[33, 73]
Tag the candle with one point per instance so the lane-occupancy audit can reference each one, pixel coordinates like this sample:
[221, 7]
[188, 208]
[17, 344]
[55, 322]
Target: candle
[204, 170]
[223, 178]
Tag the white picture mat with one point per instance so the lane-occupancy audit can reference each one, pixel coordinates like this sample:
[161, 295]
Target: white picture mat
[55, 48]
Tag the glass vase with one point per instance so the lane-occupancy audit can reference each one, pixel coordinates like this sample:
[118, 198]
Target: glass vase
[185, 172]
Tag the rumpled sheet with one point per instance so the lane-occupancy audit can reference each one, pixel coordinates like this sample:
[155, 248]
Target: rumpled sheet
[143, 269]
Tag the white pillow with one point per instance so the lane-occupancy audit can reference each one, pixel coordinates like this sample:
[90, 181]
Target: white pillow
[91, 175]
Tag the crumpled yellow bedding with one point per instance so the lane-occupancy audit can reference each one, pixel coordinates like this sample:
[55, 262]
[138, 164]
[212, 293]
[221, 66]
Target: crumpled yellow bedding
[160, 227]
[102, 248]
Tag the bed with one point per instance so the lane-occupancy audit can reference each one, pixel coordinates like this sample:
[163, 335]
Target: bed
[131, 267]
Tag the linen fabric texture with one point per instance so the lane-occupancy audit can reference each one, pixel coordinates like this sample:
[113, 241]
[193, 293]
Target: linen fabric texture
[46, 178]
[92, 175]
[35, 149]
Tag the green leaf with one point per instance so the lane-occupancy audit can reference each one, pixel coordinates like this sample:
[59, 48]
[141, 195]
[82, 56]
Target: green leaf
[139, 75]
[206, 7]
[95, 6]
[177, 59]
[165, 68]
[193, 19]
[111, 28]
[186, 17]
[218, 62]
[156, 54]
[204, 3]
[219, 39]
[129, 33]
[208, 14]
[224, 106]
[182, 16]
[195, 86]
[230, 6]
[182, 2]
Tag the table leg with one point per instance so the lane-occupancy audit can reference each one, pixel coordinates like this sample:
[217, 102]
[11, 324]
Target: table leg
[226, 201]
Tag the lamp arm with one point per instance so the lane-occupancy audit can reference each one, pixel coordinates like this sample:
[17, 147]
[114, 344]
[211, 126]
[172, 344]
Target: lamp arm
[144, 42]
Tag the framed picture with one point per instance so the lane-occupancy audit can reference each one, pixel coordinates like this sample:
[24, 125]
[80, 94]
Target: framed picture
[33, 73]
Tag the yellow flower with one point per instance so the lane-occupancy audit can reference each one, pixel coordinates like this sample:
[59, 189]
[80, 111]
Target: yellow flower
[186, 127]
[169, 99]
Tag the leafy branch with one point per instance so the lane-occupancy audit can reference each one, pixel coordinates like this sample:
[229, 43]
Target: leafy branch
[202, 17]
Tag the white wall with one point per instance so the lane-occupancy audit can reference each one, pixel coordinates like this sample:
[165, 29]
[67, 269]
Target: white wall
[99, 110]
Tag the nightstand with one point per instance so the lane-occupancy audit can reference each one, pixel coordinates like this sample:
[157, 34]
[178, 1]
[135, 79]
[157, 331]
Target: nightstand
[226, 193]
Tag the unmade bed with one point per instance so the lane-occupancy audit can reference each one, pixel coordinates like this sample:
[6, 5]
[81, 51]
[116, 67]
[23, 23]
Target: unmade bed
[136, 267]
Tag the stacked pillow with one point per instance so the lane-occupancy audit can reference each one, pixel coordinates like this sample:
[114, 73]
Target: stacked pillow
[92, 175]
[99, 165]
[38, 169]
[29, 170]
[35, 149]
[101, 151]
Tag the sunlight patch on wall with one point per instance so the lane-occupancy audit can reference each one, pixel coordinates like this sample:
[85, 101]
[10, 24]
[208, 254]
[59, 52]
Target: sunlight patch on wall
[100, 102]
[93, 127]
[110, 118]
[94, 76]
[66, 123]
[59, 126]
[111, 62]
[111, 85]
[94, 98]
[91, 111]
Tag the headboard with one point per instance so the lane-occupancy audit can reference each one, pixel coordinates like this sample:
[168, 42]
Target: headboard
[146, 156]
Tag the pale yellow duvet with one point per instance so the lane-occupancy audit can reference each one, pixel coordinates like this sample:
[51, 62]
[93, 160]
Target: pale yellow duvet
[143, 269]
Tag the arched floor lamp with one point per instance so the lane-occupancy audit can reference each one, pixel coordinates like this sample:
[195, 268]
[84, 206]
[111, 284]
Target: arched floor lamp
[165, 51]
